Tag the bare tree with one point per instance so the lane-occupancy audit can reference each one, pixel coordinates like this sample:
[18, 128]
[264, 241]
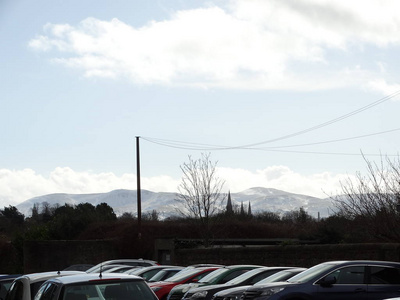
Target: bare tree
[371, 201]
[200, 192]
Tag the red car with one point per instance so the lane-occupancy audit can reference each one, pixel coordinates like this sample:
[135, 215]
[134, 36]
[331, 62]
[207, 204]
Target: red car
[162, 288]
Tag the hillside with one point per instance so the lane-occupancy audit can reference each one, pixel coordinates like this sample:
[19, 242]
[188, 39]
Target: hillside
[261, 199]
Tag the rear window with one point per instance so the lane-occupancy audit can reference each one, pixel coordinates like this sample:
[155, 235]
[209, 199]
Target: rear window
[113, 290]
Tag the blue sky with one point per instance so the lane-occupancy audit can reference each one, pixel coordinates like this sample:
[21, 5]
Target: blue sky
[301, 81]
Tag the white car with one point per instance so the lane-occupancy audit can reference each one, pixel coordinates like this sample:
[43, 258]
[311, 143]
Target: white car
[129, 262]
[25, 287]
[147, 272]
[96, 286]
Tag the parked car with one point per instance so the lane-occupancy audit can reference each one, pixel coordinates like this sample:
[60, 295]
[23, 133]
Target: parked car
[25, 287]
[236, 292]
[129, 262]
[220, 276]
[110, 268]
[147, 272]
[119, 268]
[95, 287]
[5, 283]
[248, 278]
[372, 280]
[165, 274]
[162, 288]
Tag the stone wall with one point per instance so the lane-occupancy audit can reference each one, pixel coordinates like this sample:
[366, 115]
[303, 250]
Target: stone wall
[41, 256]
[287, 255]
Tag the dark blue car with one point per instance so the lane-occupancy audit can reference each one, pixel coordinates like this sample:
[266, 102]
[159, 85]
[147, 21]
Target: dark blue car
[344, 280]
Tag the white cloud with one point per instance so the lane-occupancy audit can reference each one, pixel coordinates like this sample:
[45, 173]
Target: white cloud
[17, 186]
[282, 178]
[249, 44]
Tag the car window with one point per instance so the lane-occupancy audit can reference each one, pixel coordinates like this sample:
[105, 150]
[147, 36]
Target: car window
[310, 274]
[350, 275]
[4, 287]
[384, 275]
[214, 274]
[16, 291]
[35, 287]
[46, 292]
[182, 275]
[261, 276]
[234, 274]
[147, 275]
[200, 276]
[279, 276]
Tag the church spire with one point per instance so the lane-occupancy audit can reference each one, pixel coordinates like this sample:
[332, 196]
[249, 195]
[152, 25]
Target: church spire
[242, 209]
[229, 207]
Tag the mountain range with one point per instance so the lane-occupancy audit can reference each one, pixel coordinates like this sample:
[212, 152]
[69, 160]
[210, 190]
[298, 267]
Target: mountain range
[260, 199]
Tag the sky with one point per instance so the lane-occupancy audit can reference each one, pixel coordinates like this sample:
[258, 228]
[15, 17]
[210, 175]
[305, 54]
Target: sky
[291, 95]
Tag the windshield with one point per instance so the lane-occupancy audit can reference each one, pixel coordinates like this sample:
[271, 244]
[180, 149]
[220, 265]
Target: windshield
[311, 273]
[159, 276]
[280, 276]
[214, 274]
[244, 276]
[182, 275]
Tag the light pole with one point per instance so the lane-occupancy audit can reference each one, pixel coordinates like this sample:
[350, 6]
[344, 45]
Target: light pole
[138, 190]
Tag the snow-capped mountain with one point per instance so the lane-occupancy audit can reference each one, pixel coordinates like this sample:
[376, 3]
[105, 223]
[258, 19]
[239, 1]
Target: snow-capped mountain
[260, 199]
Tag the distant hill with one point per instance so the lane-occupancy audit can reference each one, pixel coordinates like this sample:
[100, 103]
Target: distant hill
[260, 199]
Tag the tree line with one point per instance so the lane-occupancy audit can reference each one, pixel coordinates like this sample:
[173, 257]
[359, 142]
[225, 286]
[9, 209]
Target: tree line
[366, 211]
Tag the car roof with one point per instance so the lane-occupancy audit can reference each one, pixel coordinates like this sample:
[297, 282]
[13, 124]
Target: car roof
[363, 262]
[33, 277]
[118, 261]
[8, 276]
[242, 266]
[95, 277]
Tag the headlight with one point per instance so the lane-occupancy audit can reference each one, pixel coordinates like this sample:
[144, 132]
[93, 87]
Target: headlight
[201, 294]
[156, 288]
[185, 289]
[272, 291]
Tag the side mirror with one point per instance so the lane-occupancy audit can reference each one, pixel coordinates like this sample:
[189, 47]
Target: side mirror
[328, 280]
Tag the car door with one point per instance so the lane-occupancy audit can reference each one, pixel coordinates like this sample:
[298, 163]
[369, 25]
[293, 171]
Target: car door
[383, 282]
[350, 284]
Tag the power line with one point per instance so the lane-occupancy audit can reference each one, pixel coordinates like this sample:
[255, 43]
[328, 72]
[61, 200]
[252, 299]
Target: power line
[384, 99]
[334, 141]
[208, 147]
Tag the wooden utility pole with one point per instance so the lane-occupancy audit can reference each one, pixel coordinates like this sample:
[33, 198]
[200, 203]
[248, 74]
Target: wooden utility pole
[138, 190]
